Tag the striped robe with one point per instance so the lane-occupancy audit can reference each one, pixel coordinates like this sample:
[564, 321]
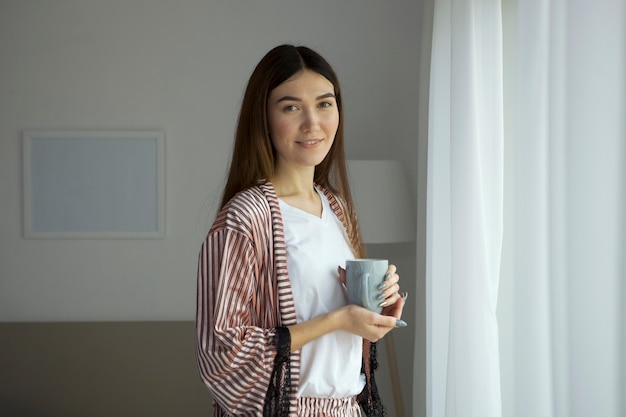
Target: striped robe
[244, 303]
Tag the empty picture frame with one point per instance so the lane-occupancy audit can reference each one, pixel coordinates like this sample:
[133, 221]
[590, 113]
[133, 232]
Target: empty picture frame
[93, 184]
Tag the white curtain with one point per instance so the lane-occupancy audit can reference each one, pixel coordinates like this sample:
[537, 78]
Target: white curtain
[548, 250]
[534, 241]
[561, 297]
[464, 209]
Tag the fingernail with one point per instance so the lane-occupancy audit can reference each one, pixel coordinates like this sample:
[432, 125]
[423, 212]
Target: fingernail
[401, 323]
[384, 303]
[339, 269]
[381, 296]
[386, 277]
[382, 285]
[405, 296]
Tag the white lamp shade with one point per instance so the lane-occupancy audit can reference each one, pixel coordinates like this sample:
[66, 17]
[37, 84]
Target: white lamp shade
[380, 191]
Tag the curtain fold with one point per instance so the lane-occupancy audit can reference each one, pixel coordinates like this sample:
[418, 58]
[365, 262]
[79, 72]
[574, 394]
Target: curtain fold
[565, 213]
[563, 159]
[536, 217]
[464, 209]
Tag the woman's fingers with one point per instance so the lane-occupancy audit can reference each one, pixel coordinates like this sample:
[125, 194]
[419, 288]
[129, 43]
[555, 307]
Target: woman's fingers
[389, 295]
[342, 275]
[389, 288]
[395, 309]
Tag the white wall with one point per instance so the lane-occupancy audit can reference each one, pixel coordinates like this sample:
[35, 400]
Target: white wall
[179, 67]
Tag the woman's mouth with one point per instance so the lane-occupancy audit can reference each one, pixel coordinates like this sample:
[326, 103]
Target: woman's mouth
[310, 142]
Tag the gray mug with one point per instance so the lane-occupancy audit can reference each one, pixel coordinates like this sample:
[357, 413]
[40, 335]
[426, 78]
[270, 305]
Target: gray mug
[363, 277]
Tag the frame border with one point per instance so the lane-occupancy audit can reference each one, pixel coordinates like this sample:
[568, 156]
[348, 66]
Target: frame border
[29, 135]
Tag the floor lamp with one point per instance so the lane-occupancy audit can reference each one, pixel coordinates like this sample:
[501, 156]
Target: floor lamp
[382, 198]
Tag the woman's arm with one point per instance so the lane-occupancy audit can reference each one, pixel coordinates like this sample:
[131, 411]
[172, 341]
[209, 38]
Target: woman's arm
[353, 319]
[235, 340]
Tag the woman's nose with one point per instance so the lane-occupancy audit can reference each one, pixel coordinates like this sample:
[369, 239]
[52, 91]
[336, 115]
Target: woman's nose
[311, 120]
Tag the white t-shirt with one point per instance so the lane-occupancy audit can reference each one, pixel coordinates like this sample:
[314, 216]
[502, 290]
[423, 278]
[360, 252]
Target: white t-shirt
[330, 365]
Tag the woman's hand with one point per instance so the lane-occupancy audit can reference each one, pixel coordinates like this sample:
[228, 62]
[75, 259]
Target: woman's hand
[355, 319]
[363, 322]
[389, 288]
[391, 301]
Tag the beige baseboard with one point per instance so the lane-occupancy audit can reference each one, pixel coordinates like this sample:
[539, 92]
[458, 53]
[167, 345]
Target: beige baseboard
[94, 369]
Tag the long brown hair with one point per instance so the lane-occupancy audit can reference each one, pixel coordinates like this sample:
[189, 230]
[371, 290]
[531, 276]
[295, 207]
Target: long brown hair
[253, 157]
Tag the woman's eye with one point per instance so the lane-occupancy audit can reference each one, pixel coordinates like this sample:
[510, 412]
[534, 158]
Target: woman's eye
[290, 108]
[326, 104]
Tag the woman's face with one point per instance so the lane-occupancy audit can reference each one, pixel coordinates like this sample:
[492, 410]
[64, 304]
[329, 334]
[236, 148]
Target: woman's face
[303, 120]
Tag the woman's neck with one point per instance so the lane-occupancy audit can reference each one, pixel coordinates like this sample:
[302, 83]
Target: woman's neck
[294, 182]
[297, 189]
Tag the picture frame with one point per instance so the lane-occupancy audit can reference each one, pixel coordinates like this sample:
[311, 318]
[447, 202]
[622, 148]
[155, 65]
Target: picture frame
[93, 184]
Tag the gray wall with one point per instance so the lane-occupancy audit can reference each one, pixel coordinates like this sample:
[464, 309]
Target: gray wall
[181, 67]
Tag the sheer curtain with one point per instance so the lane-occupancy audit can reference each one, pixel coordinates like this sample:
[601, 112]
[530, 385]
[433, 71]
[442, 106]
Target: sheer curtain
[533, 304]
[464, 209]
[561, 297]
[526, 209]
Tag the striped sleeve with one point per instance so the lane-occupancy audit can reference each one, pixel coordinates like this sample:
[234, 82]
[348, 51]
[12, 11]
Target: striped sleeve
[235, 336]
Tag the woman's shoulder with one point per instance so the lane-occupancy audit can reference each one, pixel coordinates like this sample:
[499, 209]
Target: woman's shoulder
[245, 209]
[252, 195]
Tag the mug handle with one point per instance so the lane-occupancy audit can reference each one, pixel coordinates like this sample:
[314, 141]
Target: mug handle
[365, 295]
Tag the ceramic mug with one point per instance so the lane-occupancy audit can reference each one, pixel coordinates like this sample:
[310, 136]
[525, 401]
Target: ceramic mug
[363, 279]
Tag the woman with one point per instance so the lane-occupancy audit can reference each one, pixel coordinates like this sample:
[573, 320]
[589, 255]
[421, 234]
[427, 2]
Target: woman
[275, 336]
